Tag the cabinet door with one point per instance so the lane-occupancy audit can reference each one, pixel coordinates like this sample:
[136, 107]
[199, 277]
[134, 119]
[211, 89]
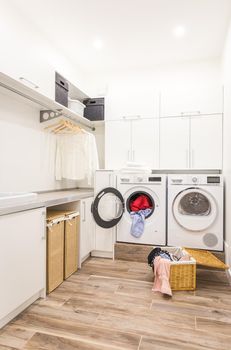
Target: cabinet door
[22, 258]
[86, 229]
[174, 143]
[206, 142]
[131, 100]
[25, 60]
[145, 142]
[191, 100]
[117, 144]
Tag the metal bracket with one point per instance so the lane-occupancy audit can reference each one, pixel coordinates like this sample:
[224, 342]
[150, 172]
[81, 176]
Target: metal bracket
[48, 114]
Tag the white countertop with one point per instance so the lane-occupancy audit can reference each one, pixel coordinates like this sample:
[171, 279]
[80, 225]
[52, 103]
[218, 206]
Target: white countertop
[48, 199]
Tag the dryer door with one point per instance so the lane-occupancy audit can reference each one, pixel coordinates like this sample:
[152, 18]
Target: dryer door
[108, 207]
[194, 209]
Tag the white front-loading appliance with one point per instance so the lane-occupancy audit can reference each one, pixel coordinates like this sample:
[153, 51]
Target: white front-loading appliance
[195, 211]
[112, 207]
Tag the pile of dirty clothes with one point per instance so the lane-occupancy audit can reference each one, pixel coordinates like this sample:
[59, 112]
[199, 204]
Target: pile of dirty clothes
[140, 207]
[160, 261]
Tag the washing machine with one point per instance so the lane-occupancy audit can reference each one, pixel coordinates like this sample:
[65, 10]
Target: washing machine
[195, 211]
[112, 207]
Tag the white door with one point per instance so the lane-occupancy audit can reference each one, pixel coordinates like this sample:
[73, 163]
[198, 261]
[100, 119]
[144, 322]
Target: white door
[22, 258]
[117, 144]
[191, 100]
[145, 142]
[87, 236]
[206, 142]
[174, 143]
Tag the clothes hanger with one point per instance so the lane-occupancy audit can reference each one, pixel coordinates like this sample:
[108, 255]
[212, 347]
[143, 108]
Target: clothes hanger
[60, 122]
[67, 126]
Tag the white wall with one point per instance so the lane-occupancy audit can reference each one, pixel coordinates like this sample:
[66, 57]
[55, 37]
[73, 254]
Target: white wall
[158, 77]
[227, 142]
[18, 32]
[27, 153]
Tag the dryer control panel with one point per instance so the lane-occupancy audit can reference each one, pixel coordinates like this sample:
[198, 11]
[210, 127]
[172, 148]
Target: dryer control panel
[200, 179]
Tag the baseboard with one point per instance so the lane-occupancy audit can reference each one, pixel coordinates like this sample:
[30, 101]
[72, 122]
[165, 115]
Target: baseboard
[102, 254]
[21, 308]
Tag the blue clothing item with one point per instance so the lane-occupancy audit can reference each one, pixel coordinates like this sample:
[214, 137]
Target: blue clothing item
[138, 220]
[165, 255]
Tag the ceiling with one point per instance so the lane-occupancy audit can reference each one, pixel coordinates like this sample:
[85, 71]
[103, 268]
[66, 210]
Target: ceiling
[133, 33]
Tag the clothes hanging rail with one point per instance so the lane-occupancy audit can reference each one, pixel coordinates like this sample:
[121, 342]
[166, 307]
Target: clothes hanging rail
[52, 112]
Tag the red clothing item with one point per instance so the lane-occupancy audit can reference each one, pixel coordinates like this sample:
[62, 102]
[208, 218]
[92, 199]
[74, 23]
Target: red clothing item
[140, 203]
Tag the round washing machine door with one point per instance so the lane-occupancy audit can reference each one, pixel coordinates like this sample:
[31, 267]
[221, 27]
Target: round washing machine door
[108, 207]
[194, 209]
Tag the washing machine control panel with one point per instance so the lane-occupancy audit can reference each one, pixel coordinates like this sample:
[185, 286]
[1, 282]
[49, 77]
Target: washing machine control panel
[194, 179]
[145, 179]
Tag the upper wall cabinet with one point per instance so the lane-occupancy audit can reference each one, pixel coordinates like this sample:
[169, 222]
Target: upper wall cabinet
[131, 101]
[29, 68]
[191, 142]
[134, 140]
[206, 142]
[196, 100]
[174, 143]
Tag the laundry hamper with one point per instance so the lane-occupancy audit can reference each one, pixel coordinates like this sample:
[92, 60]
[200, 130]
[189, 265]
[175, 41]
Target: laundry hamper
[182, 273]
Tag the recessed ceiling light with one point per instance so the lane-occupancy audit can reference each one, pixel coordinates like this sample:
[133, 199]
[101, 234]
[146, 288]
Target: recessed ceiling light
[98, 44]
[179, 31]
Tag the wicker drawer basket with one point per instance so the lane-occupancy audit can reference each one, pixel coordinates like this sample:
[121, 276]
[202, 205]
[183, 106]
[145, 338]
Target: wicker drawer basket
[182, 273]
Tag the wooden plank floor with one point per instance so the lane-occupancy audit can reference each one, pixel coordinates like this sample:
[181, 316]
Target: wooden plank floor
[109, 305]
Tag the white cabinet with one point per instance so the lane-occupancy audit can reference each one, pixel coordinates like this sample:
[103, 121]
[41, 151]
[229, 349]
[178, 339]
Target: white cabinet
[87, 237]
[22, 261]
[131, 100]
[28, 65]
[134, 140]
[25, 55]
[145, 142]
[191, 100]
[117, 143]
[191, 142]
[174, 143]
[206, 142]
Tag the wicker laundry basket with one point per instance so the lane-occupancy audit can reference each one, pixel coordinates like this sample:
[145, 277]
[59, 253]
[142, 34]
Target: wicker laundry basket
[182, 273]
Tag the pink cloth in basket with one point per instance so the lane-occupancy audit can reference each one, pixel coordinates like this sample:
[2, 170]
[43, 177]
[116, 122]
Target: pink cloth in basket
[162, 274]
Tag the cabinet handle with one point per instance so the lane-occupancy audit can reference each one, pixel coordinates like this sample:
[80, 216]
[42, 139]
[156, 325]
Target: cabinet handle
[190, 113]
[30, 82]
[84, 211]
[131, 117]
[133, 155]
[128, 155]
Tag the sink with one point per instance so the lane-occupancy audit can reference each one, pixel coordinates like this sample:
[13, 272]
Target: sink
[11, 198]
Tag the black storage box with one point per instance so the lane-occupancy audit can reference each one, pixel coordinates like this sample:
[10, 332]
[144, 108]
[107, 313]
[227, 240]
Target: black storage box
[94, 108]
[61, 90]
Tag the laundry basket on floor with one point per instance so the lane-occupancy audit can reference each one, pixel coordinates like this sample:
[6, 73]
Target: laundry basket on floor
[182, 273]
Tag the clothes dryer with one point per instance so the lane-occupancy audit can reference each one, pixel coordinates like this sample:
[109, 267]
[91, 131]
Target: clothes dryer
[195, 211]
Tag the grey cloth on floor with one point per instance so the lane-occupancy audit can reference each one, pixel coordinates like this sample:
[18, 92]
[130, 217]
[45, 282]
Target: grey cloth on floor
[138, 221]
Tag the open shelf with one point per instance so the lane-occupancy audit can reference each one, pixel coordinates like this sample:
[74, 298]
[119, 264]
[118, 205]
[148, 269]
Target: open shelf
[43, 101]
